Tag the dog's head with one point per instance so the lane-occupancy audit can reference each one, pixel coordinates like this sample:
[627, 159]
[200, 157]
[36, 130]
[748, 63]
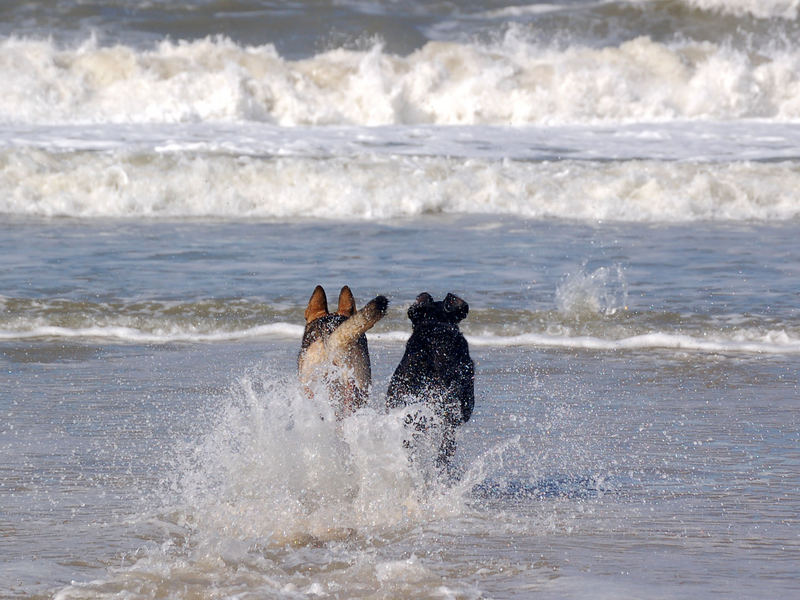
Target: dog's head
[319, 322]
[425, 310]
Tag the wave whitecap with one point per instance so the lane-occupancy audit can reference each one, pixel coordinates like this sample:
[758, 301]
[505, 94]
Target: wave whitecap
[513, 82]
[188, 185]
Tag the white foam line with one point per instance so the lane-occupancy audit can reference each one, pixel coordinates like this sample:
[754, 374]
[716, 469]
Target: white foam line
[128, 334]
[641, 342]
[771, 343]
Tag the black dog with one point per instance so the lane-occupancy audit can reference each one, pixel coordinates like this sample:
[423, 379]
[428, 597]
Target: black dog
[436, 370]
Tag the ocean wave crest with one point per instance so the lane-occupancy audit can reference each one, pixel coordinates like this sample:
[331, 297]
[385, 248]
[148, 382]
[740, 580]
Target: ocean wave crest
[511, 82]
[202, 185]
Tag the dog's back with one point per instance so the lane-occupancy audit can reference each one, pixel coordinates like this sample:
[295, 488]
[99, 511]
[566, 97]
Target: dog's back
[436, 368]
[334, 351]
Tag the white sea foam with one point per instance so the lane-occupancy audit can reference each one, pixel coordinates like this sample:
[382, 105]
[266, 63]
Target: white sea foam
[513, 82]
[279, 468]
[747, 340]
[743, 341]
[179, 185]
[762, 9]
[170, 334]
[707, 141]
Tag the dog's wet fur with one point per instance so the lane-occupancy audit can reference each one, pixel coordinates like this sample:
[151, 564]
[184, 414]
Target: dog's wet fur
[436, 370]
[334, 351]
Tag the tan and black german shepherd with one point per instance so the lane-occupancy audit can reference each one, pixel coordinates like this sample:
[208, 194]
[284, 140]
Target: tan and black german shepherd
[334, 351]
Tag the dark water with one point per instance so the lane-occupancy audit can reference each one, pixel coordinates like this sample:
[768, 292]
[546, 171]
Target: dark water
[302, 28]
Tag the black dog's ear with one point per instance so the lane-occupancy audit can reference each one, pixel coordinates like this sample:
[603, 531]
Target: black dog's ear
[416, 310]
[456, 308]
[424, 298]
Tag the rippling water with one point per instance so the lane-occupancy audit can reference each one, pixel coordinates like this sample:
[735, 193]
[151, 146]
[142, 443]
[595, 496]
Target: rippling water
[611, 186]
[635, 424]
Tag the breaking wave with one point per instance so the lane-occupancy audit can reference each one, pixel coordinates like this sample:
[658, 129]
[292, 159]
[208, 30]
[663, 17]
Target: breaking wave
[200, 185]
[511, 82]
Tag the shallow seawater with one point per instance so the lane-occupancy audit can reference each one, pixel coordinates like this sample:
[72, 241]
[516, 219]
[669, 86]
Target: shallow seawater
[173, 456]
[615, 479]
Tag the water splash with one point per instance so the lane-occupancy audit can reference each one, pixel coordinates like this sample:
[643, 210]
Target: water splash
[278, 468]
[270, 496]
[603, 291]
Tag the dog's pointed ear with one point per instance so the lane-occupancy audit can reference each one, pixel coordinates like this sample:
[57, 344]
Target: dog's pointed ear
[455, 307]
[347, 304]
[424, 298]
[317, 305]
[416, 310]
